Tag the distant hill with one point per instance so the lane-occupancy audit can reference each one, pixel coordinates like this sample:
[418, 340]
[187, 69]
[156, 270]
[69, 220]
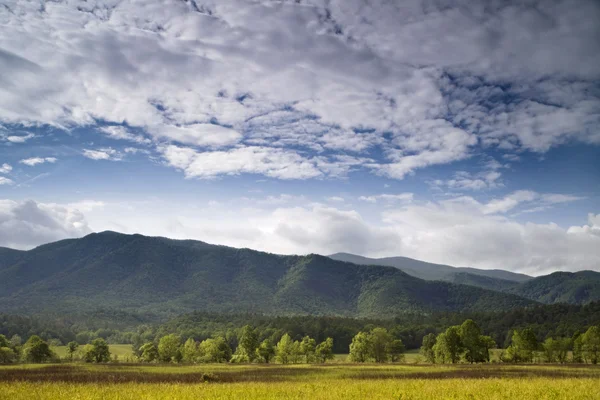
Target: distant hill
[495, 279]
[562, 287]
[143, 274]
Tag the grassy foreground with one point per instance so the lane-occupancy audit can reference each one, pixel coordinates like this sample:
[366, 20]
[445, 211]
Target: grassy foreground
[336, 381]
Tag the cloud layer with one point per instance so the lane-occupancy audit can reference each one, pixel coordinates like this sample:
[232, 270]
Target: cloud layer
[290, 86]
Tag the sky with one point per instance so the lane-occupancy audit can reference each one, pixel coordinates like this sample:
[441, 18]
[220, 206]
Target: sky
[455, 132]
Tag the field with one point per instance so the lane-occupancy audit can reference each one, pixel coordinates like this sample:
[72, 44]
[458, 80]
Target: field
[333, 381]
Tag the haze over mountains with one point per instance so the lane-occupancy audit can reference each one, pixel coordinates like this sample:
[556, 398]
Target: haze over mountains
[171, 277]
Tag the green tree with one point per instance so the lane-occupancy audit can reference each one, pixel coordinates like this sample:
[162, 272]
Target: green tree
[380, 340]
[168, 347]
[577, 347]
[97, 351]
[36, 350]
[148, 352]
[308, 346]
[284, 350]
[523, 346]
[550, 348]
[4, 341]
[71, 349]
[247, 344]
[190, 351]
[591, 344]
[7, 355]
[427, 347]
[448, 346]
[296, 355]
[476, 345]
[266, 351]
[215, 350]
[396, 350]
[15, 341]
[360, 348]
[324, 350]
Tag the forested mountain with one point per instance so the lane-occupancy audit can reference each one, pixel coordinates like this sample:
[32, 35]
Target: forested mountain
[171, 277]
[562, 287]
[492, 279]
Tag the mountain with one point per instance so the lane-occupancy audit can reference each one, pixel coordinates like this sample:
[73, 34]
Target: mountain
[494, 279]
[561, 287]
[171, 277]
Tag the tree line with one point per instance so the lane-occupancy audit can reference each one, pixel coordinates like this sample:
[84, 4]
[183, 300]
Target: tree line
[467, 343]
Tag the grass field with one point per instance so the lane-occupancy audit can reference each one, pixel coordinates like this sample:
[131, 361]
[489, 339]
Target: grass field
[334, 381]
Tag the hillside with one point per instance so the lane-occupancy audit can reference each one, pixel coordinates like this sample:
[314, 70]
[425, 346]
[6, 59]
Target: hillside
[562, 287]
[171, 277]
[490, 279]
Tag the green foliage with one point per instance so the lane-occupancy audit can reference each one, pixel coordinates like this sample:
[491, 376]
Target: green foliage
[248, 344]
[448, 346]
[427, 347]
[380, 341]
[266, 351]
[523, 346]
[149, 352]
[214, 350]
[285, 349]
[168, 347]
[360, 348]
[96, 352]
[7, 355]
[189, 351]
[562, 287]
[307, 348]
[396, 350]
[591, 344]
[37, 350]
[71, 349]
[324, 350]
[556, 350]
[577, 341]
[475, 344]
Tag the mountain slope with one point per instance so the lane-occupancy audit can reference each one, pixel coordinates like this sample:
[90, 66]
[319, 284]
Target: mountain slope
[489, 279]
[562, 287]
[170, 277]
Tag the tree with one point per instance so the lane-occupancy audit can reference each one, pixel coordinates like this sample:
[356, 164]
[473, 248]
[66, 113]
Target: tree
[296, 355]
[577, 347]
[308, 346]
[360, 348]
[324, 350]
[550, 347]
[190, 351]
[36, 350]
[4, 341]
[148, 352]
[396, 350]
[448, 346]
[215, 350]
[15, 341]
[97, 351]
[427, 347]
[380, 341]
[71, 349]
[7, 355]
[475, 344]
[247, 344]
[266, 351]
[523, 346]
[591, 344]
[168, 347]
[284, 349]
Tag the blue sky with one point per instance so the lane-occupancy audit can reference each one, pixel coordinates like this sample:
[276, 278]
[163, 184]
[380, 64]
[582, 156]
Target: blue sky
[456, 134]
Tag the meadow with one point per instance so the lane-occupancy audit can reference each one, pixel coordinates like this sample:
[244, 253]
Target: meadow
[329, 381]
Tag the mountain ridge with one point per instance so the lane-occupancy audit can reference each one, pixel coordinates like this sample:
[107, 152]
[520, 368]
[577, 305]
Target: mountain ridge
[171, 277]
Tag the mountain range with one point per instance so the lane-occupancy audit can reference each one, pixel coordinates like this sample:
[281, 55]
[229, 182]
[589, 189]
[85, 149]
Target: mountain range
[137, 273]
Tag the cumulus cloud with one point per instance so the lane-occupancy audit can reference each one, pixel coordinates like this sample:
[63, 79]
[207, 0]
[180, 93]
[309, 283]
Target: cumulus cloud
[422, 84]
[5, 181]
[105, 153]
[390, 198]
[33, 161]
[25, 224]
[19, 139]
[5, 168]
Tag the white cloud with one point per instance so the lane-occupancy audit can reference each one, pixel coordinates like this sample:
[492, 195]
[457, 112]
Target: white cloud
[25, 224]
[33, 161]
[424, 83]
[121, 133]
[105, 153]
[19, 139]
[5, 181]
[5, 168]
[336, 199]
[390, 198]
